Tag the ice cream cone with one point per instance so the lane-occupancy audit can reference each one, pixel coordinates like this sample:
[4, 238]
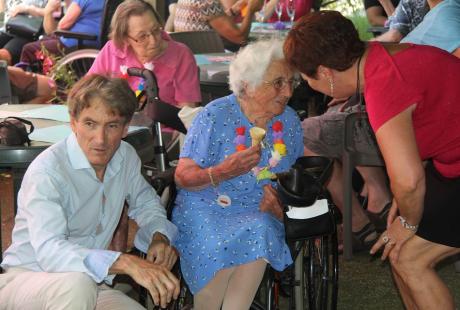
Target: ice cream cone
[257, 135]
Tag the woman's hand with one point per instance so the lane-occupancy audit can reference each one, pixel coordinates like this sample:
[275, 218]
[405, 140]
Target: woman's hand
[52, 6]
[239, 163]
[18, 9]
[271, 203]
[392, 240]
[392, 213]
[160, 252]
[255, 5]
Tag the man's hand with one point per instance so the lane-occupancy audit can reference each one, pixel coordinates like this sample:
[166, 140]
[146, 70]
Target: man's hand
[160, 252]
[162, 285]
[271, 203]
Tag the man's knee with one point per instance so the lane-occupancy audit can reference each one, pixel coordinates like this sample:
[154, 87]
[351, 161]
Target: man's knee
[76, 291]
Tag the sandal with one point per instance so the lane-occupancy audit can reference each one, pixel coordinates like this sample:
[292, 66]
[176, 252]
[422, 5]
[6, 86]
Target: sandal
[359, 238]
[359, 242]
[380, 219]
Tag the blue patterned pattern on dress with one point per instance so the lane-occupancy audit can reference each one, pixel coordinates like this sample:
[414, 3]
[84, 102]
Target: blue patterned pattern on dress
[211, 237]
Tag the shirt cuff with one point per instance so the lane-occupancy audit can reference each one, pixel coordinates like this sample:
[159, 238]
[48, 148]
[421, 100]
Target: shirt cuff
[145, 233]
[98, 263]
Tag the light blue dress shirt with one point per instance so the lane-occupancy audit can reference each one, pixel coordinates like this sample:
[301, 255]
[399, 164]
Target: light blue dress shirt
[66, 216]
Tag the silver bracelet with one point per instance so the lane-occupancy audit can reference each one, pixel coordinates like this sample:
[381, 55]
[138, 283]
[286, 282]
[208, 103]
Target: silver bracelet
[406, 225]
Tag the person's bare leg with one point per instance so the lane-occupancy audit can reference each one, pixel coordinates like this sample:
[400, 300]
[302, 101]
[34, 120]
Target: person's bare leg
[243, 285]
[335, 188]
[415, 270]
[210, 297]
[377, 189]
[5, 55]
[404, 292]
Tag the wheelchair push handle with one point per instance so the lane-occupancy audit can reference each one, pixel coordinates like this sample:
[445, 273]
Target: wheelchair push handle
[151, 84]
[304, 182]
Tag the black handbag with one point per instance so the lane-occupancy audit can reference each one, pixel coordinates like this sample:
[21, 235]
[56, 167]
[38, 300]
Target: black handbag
[14, 132]
[25, 26]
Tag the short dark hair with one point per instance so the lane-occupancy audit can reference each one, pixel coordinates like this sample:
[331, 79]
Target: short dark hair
[115, 93]
[323, 38]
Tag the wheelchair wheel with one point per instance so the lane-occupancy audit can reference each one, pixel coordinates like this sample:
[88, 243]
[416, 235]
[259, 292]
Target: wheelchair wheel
[78, 64]
[320, 273]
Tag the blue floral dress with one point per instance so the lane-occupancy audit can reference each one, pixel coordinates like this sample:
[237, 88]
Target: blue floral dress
[212, 237]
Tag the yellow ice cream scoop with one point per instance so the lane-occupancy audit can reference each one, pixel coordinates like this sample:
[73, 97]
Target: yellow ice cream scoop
[257, 135]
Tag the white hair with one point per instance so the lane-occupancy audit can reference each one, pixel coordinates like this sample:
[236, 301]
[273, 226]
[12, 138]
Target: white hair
[250, 64]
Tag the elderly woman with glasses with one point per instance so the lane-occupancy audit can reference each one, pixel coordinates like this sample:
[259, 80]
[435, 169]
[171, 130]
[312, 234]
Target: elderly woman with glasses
[138, 40]
[228, 213]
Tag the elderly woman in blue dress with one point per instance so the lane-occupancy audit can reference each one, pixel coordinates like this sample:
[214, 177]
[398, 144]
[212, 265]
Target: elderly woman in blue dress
[227, 210]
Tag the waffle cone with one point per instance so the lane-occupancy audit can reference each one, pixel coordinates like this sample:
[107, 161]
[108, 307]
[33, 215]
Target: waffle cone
[257, 135]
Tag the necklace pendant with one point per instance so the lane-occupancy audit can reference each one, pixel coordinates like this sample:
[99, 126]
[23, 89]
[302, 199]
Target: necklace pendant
[223, 201]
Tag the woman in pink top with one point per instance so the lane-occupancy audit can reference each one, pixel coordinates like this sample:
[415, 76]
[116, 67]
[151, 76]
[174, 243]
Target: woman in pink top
[416, 123]
[137, 40]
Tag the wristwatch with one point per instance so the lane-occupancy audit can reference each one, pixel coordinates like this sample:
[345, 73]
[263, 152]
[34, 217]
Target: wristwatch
[406, 225]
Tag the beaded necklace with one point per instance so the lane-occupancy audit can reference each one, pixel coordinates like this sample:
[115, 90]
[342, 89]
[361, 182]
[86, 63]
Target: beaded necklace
[279, 150]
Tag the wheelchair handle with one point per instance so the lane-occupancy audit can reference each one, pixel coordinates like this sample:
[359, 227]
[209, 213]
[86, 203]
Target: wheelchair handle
[151, 84]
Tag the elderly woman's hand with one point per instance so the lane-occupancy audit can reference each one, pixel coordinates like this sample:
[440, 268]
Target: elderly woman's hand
[271, 203]
[241, 162]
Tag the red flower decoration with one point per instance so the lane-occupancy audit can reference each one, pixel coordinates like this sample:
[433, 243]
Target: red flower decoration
[39, 55]
[277, 126]
[280, 141]
[240, 147]
[240, 130]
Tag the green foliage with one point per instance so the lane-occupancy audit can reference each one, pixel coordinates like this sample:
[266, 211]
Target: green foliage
[354, 10]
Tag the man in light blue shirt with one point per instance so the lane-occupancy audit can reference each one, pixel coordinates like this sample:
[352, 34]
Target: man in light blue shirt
[69, 205]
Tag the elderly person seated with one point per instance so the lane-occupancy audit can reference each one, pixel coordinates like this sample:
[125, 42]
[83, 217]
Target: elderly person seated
[407, 15]
[199, 15]
[377, 11]
[69, 205]
[11, 45]
[417, 130]
[228, 214]
[81, 16]
[137, 40]
[267, 14]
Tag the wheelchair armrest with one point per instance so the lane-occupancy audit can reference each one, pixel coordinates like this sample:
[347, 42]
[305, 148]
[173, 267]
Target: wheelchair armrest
[162, 180]
[80, 36]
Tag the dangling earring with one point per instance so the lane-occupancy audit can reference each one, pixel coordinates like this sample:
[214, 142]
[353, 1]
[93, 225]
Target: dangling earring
[331, 84]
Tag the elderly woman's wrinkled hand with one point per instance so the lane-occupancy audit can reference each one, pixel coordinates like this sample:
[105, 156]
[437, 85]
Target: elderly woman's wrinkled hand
[160, 252]
[392, 240]
[241, 162]
[271, 203]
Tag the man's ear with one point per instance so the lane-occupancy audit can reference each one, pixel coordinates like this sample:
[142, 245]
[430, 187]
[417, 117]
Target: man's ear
[125, 130]
[73, 123]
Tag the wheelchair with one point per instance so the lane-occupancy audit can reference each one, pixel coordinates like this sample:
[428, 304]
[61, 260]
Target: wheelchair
[312, 239]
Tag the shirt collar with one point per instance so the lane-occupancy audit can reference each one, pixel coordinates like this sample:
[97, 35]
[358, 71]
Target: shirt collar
[79, 161]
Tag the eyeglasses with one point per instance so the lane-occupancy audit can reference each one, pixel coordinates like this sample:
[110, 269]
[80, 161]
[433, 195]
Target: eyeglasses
[280, 83]
[142, 38]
